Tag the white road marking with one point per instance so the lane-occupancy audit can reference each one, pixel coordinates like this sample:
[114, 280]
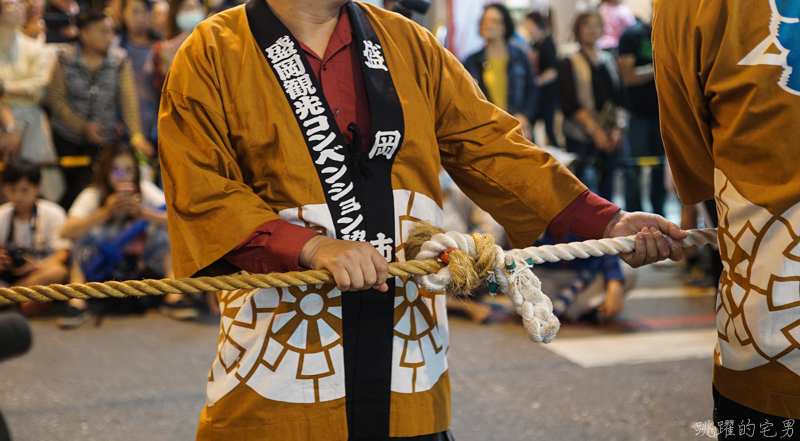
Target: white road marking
[648, 347]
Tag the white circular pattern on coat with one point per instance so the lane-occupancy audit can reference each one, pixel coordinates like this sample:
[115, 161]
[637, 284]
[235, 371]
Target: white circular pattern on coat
[271, 342]
[285, 344]
[312, 305]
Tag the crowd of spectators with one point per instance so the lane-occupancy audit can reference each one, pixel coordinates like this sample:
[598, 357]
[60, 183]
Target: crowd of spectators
[600, 89]
[79, 94]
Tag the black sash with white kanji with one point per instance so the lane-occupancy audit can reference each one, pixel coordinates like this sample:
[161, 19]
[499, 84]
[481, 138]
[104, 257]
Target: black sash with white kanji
[358, 191]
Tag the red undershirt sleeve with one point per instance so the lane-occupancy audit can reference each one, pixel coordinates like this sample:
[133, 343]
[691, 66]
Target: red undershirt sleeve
[586, 217]
[272, 248]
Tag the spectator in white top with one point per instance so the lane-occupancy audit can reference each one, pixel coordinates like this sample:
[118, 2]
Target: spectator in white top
[32, 252]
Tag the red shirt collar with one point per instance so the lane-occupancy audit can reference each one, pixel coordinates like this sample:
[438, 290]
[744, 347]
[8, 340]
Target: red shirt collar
[342, 36]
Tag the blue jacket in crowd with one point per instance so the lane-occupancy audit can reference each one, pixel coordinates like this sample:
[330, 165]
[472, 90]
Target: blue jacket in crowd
[523, 93]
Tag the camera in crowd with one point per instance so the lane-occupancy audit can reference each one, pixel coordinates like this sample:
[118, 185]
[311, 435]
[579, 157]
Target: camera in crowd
[17, 255]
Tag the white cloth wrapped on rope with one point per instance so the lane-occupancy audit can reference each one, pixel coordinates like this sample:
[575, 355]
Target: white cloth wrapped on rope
[512, 271]
[510, 275]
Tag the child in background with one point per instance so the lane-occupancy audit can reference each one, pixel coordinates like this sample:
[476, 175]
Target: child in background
[32, 252]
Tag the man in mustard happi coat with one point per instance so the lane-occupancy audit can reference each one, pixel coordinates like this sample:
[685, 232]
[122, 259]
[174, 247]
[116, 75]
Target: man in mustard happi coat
[309, 134]
[728, 77]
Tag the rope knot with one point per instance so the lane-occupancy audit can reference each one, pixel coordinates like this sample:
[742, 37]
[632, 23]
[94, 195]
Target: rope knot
[469, 267]
[470, 259]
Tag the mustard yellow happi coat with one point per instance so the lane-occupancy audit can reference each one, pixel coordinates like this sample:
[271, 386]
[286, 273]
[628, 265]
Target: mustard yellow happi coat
[234, 157]
[728, 77]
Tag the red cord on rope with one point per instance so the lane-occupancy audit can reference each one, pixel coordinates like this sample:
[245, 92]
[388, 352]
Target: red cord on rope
[444, 256]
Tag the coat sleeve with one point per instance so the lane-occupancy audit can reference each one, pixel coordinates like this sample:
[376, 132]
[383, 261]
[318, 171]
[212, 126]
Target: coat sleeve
[211, 209]
[683, 108]
[483, 149]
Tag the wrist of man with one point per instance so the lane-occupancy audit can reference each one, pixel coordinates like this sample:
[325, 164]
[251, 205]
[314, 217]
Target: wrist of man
[307, 252]
[613, 221]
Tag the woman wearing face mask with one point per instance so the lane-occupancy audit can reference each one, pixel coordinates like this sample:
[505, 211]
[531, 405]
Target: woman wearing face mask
[184, 15]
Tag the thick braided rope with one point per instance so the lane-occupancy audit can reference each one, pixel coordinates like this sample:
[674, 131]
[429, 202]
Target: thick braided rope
[140, 288]
[512, 275]
[437, 275]
[597, 248]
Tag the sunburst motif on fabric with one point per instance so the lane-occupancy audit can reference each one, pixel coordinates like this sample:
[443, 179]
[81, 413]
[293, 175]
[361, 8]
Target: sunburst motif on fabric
[414, 321]
[230, 304]
[286, 344]
[276, 337]
[420, 334]
[305, 323]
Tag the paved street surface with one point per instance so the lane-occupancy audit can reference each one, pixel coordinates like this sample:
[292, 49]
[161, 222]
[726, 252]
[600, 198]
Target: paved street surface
[645, 377]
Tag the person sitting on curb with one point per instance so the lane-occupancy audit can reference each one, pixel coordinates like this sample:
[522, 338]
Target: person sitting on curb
[32, 250]
[593, 289]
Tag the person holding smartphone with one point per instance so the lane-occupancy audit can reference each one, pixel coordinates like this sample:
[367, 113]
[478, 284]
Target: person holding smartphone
[107, 210]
